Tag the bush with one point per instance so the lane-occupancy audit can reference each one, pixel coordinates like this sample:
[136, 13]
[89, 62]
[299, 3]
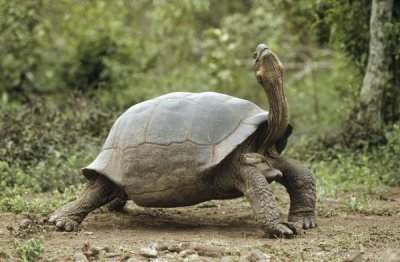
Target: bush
[339, 168]
[43, 146]
[23, 36]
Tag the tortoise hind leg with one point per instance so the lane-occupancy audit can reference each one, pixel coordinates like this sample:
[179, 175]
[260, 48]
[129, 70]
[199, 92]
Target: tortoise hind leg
[96, 193]
[117, 204]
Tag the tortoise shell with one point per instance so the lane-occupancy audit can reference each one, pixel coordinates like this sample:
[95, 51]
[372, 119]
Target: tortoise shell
[174, 136]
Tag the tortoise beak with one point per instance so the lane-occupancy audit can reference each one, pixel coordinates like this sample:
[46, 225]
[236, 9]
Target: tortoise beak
[261, 48]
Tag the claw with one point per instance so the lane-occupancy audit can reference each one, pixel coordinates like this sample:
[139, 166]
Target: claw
[282, 230]
[294, 226]
[60, 224]
[306, 220]
[288, 233]
[68, 228]
[53, 219]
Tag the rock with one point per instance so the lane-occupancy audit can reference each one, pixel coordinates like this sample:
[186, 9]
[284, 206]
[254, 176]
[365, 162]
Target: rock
[229, 259]
[390, 255]
[109, 255]
[80, 257]
[176, 248]
[356, 257]
[210, 251]
[133, 260]
[193, 257]
[92, 251]
[256, 255]
[107, 249]
[187, 252]
[25, 223]
[148, 252]
[161, 247]
[160, 260]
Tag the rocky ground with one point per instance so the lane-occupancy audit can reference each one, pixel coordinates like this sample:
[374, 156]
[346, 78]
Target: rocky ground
[211, 231]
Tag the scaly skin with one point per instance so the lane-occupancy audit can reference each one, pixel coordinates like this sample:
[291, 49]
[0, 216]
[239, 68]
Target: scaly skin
[300, 185]
[97, 193]
[249, 173]
[269, 73]
[258, 192]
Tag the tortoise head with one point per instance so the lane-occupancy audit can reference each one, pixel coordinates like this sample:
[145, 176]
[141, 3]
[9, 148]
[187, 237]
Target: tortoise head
[266, 66]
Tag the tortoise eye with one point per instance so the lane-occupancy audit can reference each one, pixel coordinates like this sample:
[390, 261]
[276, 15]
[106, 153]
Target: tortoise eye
[254, 55]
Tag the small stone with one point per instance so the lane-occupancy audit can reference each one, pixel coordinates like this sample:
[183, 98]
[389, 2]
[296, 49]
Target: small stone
[175, 248]
[355, 257]
[161, 247]
[93, 251]
[210, 251]
[108, 249]
[229, 259]
[187, 252]
[194, 257]
[88, 233]
[85, 246]
[256, 255]
[148, 252]
[109, 255]
[160, 260]
[80, 257]
[25, 223]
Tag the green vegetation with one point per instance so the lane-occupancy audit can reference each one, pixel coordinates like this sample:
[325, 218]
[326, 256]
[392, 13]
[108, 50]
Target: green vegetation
[31, 251]
[68, 69]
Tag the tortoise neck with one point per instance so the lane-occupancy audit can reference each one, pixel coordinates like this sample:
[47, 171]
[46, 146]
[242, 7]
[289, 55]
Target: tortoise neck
[278, 118]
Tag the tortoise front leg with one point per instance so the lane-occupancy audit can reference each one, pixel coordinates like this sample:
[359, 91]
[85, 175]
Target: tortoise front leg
[96, 193]
[257, 190]
[300, 185]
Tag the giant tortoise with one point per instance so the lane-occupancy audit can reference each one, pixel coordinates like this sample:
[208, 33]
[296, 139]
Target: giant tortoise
[184, 148]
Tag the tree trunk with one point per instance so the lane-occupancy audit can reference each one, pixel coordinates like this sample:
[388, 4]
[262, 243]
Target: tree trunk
[376, 77]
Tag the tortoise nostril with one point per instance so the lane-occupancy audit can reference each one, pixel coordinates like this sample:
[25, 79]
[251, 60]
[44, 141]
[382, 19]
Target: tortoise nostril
[254, 55]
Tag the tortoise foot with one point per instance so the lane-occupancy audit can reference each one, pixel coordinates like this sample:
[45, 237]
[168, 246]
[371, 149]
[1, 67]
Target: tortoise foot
[65, 219]
[64, 222]
[282, 230]
[306, 219]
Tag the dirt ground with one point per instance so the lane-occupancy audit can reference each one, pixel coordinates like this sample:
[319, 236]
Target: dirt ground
[213, 231]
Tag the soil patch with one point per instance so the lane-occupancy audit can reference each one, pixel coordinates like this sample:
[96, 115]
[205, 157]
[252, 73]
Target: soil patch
[211, 231]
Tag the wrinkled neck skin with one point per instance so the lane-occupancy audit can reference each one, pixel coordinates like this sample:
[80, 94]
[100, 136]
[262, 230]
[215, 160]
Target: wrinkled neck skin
[278, 117]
